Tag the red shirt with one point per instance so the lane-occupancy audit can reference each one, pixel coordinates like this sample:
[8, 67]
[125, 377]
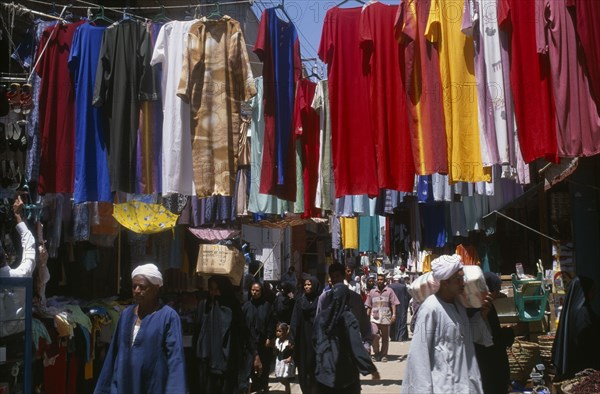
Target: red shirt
[352, 139]
[57, 110]
[387, 98]
[530, 81]
[306, 126]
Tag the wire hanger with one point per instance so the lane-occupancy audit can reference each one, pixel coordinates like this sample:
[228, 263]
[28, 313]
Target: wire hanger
[345, 1]
[189, 14]
[281, 6]
[314, 72]
[216, 14]
[161, 16]
[101, 17]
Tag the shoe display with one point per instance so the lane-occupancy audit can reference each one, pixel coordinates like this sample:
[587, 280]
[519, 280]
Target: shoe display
[14, 97]
[26, 98]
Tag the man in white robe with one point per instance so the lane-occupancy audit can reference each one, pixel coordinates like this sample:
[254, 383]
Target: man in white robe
[441, 358]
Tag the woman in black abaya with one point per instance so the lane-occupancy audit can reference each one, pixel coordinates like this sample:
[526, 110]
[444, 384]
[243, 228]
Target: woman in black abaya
[301, 329]
[576, 345]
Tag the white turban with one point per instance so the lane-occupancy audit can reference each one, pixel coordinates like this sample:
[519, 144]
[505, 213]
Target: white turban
[445, 266]
[150, 272]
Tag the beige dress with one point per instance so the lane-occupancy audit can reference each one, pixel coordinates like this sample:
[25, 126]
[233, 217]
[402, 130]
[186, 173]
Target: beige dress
[215, 79]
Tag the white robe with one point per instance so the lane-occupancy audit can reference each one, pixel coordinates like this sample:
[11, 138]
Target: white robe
[442, 352]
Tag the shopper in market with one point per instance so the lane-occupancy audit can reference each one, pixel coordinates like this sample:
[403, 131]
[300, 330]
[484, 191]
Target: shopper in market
[577, 344]
[301, 328]
[260, 319]
[27, 264]
[442, 352]
[381, 306]
[340, 354]
[357, 307]
[493, 360]
[225, 350]
[399, 329]
[146, 351]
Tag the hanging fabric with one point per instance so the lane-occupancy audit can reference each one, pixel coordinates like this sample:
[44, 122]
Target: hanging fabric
[144, 218]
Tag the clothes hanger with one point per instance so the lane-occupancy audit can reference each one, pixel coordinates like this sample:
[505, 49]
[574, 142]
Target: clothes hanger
[216, 14]
[314, 73]
[281, 6]
[101, 17]
[189, 15]
[161, 16]
[345, 1]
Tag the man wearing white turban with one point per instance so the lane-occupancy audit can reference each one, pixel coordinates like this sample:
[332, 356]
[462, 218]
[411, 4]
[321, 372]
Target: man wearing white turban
[442, 358]
[146, 351]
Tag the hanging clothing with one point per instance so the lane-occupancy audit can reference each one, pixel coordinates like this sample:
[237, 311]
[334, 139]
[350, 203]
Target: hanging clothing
[530, 81]
[306, 128]
[349, 227]
[387, 97]
[176, 167]
[325, 194]
[124, 78]
[278, 47]
[352, 137]
[369, 233]
[258, 202]
[56, 109]
[32, 161]
[423, 88]
[460, 93]
[577, 115]
[149, 137]
[587, 14]
[92, 181]
[480, 21]
[215, 92]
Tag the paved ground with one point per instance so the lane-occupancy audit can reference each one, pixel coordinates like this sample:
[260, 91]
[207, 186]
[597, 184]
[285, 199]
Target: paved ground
[391, 373]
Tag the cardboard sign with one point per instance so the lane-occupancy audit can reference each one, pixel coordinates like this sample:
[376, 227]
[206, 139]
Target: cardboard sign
[221, 260]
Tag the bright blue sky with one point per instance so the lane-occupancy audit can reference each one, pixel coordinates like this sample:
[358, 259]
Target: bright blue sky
[308, 16]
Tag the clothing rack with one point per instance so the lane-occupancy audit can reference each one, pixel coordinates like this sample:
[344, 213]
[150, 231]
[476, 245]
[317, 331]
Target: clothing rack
[158, 7]
[24, 10]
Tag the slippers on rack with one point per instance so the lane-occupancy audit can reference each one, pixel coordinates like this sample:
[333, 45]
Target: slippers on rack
[26, 98]
[14, 97]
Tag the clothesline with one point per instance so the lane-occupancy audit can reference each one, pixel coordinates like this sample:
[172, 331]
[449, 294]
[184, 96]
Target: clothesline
[24, 10]
[159, 7]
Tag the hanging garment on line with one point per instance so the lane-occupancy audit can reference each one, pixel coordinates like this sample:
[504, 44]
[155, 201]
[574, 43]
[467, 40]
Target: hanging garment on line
[423, 88]
[387, 97]
[460, 93]
[176, 169]
[306, 128]
[578, 119]
[149, 140]
[56, 109]
[530, 81]
[352, 137]
[258, 202]
[215, 92]
[278, 47]
[325, 193]
[124, 78]
[92, 181]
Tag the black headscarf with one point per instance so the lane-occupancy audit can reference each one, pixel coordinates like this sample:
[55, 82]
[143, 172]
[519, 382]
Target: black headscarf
[576, 345]
[493, 281]
[339, 300]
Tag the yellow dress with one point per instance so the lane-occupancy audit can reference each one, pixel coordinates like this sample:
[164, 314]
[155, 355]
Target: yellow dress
[457, 72]
[349, 228]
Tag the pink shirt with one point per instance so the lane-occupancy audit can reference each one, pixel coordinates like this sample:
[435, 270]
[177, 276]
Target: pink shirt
[578, 122]
[380, 302]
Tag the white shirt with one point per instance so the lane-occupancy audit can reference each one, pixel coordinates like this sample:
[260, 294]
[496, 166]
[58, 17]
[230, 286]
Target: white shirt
[177, 173]
[25, 269]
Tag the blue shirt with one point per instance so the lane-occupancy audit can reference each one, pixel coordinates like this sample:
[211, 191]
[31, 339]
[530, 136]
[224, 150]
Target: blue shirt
[92, 182]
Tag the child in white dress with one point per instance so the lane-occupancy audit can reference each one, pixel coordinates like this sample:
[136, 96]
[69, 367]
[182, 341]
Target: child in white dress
[285, 369]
